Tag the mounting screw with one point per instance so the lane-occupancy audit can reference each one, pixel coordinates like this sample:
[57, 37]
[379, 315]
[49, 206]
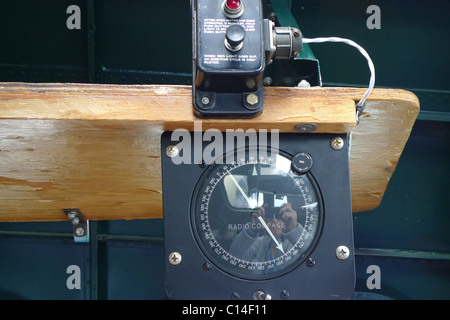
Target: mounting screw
[79, 231]
[342, 252]
[284, 294]
[310, 262]
[206, 266]
[337, 143]
[261, 295]
[305, 127]
[172, 151]
[267, 81]
[304, 83]
[205, 100]
[71, 215]
[235, 296]
[174, 258]
[252, 99]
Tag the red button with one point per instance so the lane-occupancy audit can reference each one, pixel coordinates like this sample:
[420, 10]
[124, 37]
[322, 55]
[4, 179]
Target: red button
[233, 4]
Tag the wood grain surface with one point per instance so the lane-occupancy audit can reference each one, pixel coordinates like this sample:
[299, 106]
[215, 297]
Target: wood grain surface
[97, 147]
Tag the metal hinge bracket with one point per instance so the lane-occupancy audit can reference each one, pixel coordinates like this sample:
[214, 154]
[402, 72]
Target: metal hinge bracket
[80, 225]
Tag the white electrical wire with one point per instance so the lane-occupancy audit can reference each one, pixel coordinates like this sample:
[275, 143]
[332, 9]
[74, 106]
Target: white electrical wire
[361, 50]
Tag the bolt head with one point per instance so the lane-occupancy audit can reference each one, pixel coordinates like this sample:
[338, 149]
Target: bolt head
[207, 266]
[235, 296]
[174, 258]
[252, 99]
[305, 127]
[337, 143]
[267, 81]
[310, 262]
[205, 100]
[72, 215]
[172, 151]
[342, 252]
[79, 231]
[304, 83]
[284, 294]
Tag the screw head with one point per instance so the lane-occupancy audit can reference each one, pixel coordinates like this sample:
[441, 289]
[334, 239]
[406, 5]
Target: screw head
[267, 81]
[174, 258]
[304, 83]
[172, 151]
[337, 143]
[75, 221]
[305, 127]
[207, 266]
[205, 100]
[310, 262]
[79, 231]
[284, 294]
[71, 215]
[235, 296]
[342, 252]
[252, 99]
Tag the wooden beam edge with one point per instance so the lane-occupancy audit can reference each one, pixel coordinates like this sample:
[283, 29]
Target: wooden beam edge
[170, 106]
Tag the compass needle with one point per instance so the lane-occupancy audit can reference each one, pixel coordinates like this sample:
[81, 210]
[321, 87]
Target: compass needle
[279, 245]
[261, 219]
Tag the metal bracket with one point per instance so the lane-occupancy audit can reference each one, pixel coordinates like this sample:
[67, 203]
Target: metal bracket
[80, 225]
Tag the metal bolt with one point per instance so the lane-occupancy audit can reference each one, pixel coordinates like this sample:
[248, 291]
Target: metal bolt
[267, 81]
[206, 266]
[205, 100]
[304, 83]
[252, 99]
[250, 83]
[342, 252]
[75, 221]
[284, 294]
[79, 231]
[273, 17]
[261, 295]
[71, 215]
[310, 262]
[172, 151]
[337, 143]
[305, 127]
[174, 258]
[235, 296]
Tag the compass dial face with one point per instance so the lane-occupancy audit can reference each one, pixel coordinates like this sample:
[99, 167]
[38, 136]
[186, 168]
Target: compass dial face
[254, 217]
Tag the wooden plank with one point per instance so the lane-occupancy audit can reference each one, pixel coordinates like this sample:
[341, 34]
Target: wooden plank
[96, 147]
[377, 144]
[168, 107]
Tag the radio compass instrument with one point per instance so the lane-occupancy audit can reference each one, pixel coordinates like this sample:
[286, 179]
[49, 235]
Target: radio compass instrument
[259, 223]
